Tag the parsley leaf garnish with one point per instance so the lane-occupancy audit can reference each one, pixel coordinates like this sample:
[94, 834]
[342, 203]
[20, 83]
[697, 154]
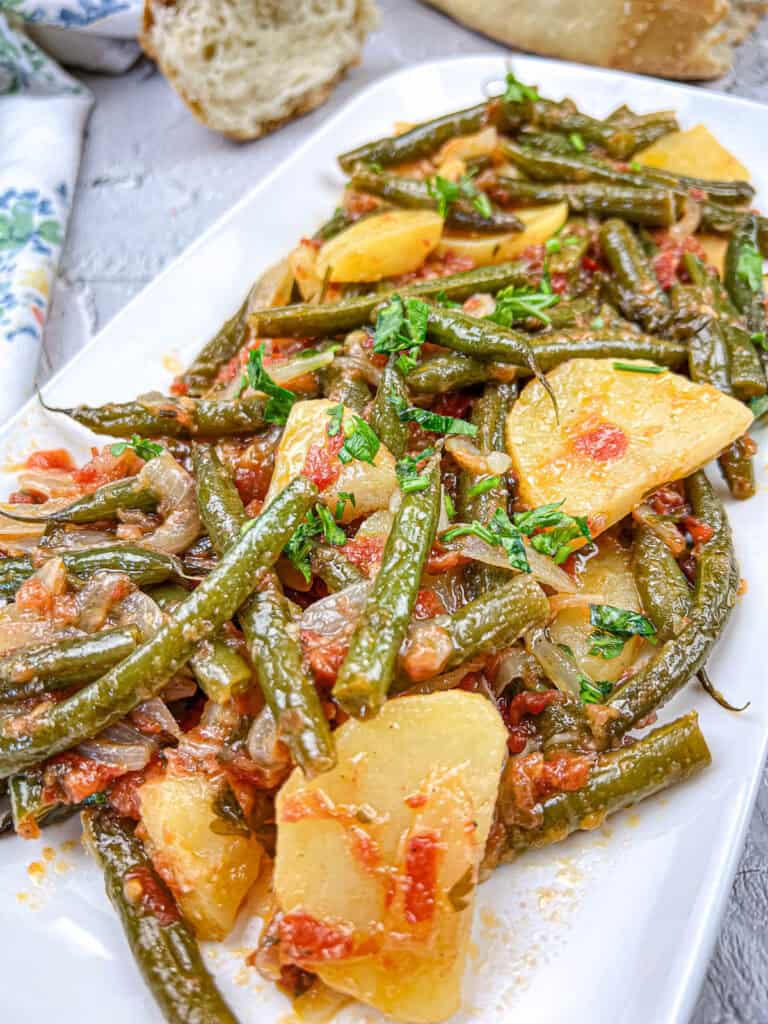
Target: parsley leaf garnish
[407, 471]
[614, 626]
[144, 449]
[430, 420]
[441, 299]
[341, 501]
[360, 443]
[634, 368]
[483, 485]
[336, 413]
[593, 691]
[516, 92]
[318, 523]
[448, 505]
[500, 532]
[514, 304]
[560, 529]
[402, 327]
[447, 192]
[749, 267]
[759, 406]
[577, 142]
[758, 338]
[280, 400]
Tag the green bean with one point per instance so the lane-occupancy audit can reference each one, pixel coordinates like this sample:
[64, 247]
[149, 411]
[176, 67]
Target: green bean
[162, 944]
[369, 667]
[721, 191]
[481, 339]
[306, 320]
[682, 656]
[172, 417]
[495, 618]
[103, 503]
[425, 138]
[384, 419]
[640, 297]
[621, 778]
[736, 466]
[663, 589]
[144, 672]
[744, 274]
[604, 343]
[414, 194]
[748, 378]
[56, 666]
[440, 374]
[30, 810]
[266, 623]
[334, 569]
[551, 142]
[142, 565]
[619, 140]
[564, 727]
[345, 384]
[654, 207]
[225, 344]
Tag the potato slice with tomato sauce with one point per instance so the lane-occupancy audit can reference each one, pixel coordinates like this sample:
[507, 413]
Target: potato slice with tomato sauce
[541, 222]
[620, 435]
[382, 245]
[695, 152]
[305, 435]
[377, 859]
[607, 575]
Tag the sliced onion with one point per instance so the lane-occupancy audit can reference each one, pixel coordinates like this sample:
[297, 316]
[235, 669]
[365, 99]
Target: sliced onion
[120, 746]
[559, 602]
[179, 688]
[155, 712]
[476, 549]
[140, 610]
[97, 597]
[378, 524]
[545, 571]
[689, 222]
[283, 373]
[50, 483]
[336, 614]
[557, 666]
[264, 746]
[79, 540]
[21, 627]
[663, 528]
[498, 463]
[175, 490]
[511, 666]
[448, 680]
[467, 454]
[52, 574]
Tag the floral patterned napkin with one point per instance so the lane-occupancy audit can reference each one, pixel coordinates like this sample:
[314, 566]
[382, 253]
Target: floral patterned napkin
[43, 111]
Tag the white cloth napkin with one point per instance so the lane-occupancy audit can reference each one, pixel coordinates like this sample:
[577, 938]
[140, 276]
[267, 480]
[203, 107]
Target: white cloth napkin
[43, 112]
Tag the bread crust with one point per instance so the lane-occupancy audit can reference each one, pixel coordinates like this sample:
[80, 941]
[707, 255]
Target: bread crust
[687, 39]
[303, 104]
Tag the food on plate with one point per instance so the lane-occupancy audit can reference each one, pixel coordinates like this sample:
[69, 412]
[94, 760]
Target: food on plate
[391, 586]
[242, 68]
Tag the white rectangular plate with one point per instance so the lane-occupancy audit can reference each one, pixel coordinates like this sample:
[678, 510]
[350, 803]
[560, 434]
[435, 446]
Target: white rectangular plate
[615, 925]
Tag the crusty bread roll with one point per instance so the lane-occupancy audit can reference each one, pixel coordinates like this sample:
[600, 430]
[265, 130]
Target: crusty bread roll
[246, 66]
[672, 38]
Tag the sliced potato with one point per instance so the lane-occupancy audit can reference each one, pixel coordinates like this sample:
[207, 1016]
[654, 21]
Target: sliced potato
[371, 485]
[383, 245]
[541, 222]
[695, 152]
[469, 147]
[384, 849]
[303, 263]
[620, 436]
[210, 874]
[714, 247]
[609, 574]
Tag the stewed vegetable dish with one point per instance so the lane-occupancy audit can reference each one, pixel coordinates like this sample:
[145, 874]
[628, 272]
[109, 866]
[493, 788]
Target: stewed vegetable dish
[390, 586]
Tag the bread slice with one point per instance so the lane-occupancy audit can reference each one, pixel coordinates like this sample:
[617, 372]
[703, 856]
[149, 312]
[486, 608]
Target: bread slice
[246, 66]
[684, 39]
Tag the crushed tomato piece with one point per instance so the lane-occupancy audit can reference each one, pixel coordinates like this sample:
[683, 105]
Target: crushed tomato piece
[52, 458]
[421, 861]
[305, 939]
[602, 443]
[322, 465]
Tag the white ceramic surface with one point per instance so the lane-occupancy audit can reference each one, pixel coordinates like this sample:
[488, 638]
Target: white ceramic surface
[612, 926]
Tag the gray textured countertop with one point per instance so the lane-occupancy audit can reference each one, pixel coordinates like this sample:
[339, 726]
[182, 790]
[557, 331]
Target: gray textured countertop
[152, 180]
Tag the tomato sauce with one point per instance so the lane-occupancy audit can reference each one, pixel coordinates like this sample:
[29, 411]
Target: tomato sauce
[602, 443]
[421, 861]
[322, 465]
[305, 939]
[53, 458]
[141, 886]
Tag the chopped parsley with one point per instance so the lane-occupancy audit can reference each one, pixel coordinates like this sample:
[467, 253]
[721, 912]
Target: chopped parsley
[280, 400]
[144, 449]
[485, 484]
[431, 421]
[636, 167]
[514, 304]
[635, 368]
[448, 505]
[758, 338]
[759, 406]
[408, 475]
[614, 626]
[341, 502]
[593, 691]
[361, 442]
[402, 327]
[447, 192]
[560, 530]
[598, 323]
[577, 142]
[336, 413]
[516, 92]
[318, 523]
[553, 245]
[441, 299]
[749, 267]
[500, 532]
